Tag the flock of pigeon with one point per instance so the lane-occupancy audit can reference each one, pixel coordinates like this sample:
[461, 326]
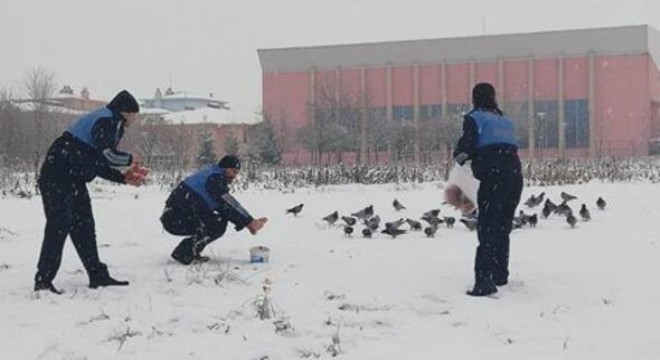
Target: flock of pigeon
[549, 207]
[370, 223]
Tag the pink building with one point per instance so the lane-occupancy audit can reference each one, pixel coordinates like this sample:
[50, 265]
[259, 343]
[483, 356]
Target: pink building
[576, 92]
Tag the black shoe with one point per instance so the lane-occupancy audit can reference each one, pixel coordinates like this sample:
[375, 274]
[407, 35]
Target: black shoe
[500, 281]
[483, 284]
[42, 285]
[106, 281]
[201, 258]
[481, 290]
[183, 253]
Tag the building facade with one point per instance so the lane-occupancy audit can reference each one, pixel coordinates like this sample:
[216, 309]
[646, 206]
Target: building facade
[593, 92]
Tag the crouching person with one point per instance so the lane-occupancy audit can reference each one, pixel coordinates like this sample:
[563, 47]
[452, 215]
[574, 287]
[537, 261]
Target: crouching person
[200, 208]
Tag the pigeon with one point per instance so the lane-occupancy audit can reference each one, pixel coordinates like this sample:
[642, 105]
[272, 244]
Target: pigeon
[546, 211]
[332, 218]
[550, 206]
[532, 220]
[348, 230]
[564, 209]
[449, 221]
[366, 233]
[393, 232]
[350, 221]
[471, 224]
[394, 224]
[397, 205]
[571, 220]
[295, 210]
[516, 222]
[414, 224]
[601, 203]
[584, 213]
[531, 202]
[567, 197]
[372, 220]
[432, 220]
[430, 231]
[522, 217]
[432, 213]
[364, 213]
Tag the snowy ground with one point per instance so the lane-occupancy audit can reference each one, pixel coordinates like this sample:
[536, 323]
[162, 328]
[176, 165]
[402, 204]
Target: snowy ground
[592, 292]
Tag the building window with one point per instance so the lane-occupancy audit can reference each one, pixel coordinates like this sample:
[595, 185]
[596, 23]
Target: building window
[576, 115]
[402, 113]
[546, 130]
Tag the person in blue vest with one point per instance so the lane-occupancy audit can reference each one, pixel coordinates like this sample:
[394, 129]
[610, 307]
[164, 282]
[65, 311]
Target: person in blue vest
[489, 141]
[85, 150]
[200, 208]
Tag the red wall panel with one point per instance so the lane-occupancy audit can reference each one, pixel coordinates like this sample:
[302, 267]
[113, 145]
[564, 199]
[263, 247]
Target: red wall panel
[576, 76]
[402, 85]
[545, 79]
[430, 84]
[458, 89]
[515, 81]
[486, 72]
[622, 101]
[376, 86]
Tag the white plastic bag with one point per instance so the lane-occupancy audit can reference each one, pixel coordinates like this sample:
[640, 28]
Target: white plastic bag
[462, 178]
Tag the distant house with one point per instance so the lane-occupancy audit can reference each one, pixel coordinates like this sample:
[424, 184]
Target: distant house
[182, 100]
[191, 116]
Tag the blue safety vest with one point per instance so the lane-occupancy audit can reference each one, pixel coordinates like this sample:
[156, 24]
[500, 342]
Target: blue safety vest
[197, 182]
[493, 128]
[82, 129]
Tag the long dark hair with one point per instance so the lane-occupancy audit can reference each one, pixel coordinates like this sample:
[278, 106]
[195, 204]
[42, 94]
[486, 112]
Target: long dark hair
[483, 97]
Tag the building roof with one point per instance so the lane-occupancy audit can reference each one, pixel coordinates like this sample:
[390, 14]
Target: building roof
[215, 116]
[638, 39]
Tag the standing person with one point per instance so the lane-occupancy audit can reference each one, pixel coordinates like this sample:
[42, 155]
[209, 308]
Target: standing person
[489, 141]
[200, 207]
[85, 150]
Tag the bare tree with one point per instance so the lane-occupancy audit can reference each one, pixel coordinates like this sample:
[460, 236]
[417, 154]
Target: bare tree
[40, 87]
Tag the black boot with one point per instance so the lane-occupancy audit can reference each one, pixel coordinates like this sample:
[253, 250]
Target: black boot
[483, 285]
[183, 253]
[500, 280]
[46, 285]
[197, 248]
[106, 280]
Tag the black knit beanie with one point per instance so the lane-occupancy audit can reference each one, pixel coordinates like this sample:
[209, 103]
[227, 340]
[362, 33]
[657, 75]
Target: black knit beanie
[124, 102]
[229, 162]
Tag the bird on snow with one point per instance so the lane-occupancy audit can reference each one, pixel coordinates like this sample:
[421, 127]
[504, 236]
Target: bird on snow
[350, 221]
[601, 203]
[414, 224]
[397, 205]
[430, 231]
[532, 220]
[584, 213]
[332, 218]
[348, 230]
[295, 210]
[432, 220]
[394, 224]
[571, 220]
[564, 209]
[364, 213]
[393, 232]
[366, 233]
[432, 213]
[449, 221]
[567, 197]
[471, 224]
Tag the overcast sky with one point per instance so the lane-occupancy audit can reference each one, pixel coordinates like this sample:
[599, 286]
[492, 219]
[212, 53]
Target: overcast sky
[209, 46]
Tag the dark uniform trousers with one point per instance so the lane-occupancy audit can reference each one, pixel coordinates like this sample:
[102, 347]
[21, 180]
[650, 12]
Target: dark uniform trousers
[68, 212]
[498, 196]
